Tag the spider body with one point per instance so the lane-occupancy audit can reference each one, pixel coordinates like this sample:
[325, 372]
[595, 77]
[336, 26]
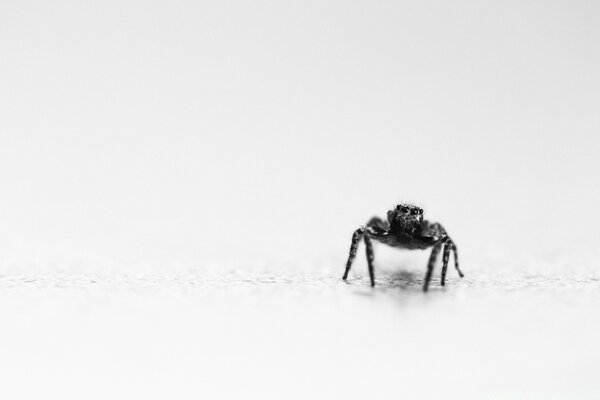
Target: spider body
[405, 228]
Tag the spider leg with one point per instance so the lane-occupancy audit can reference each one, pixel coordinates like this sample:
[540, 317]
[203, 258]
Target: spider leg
[432, 258]
[447, 248]
[455, 251]
[353, 247]
[370, 257]
[379, 223]
[433, 228]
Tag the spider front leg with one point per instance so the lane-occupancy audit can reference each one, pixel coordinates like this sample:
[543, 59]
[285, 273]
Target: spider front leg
[432, 258]
[447, 247]
[353, 247]
[450, 246]
[370, 258]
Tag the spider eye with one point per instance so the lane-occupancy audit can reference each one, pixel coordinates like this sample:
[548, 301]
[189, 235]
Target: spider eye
[404, 209]
[414, 211]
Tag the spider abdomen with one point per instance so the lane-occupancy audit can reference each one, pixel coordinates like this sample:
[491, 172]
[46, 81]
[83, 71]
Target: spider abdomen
[404, 242]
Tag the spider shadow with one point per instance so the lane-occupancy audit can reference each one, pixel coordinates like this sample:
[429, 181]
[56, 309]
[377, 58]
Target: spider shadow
[399, 281]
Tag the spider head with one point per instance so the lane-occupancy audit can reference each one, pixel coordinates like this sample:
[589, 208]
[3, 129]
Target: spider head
[405, 217]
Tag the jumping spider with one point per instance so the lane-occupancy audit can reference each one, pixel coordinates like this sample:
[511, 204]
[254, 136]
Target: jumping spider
[405, 228]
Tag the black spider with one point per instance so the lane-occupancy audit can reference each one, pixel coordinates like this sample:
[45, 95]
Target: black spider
[405, 228]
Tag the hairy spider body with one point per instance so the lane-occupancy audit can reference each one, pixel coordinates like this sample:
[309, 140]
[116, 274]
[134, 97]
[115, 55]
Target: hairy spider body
[405, 228]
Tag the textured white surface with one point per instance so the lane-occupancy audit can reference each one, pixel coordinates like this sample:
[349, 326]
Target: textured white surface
[283, 332]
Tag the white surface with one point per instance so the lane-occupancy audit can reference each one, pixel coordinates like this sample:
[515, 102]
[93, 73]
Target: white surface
[295, 333]
[180, 181]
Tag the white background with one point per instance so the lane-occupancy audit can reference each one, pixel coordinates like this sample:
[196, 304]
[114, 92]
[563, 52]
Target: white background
[180, 181]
